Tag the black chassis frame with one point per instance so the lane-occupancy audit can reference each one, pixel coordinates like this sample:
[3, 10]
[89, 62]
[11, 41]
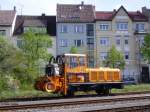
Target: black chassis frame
[94, 86]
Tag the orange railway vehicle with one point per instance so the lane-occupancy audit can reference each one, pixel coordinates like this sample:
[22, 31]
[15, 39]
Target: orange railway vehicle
[69, 73]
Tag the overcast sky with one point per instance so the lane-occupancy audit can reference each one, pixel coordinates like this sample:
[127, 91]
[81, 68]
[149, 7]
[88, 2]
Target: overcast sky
[36, 7]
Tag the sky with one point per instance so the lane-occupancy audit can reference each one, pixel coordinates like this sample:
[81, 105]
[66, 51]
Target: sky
[37, 7]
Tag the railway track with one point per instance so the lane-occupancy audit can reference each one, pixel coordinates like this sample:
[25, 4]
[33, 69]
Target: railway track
[65, 103]
[61, 97]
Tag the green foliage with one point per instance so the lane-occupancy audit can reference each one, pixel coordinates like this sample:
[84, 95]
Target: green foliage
[146, 48]
[20, 67]
[11, 58]
[73, 50]
[35, 46]
[115, 59]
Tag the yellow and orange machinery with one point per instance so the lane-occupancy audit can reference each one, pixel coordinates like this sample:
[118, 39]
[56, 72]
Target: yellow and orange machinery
[69, 73]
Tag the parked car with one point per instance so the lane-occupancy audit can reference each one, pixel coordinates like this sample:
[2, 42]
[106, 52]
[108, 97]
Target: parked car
[129, 80]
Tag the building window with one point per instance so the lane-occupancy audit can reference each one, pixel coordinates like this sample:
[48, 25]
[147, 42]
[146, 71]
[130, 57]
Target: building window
[90, 30]
[117, 41]
[19, 43]
[103, 55]
[139, 27]
[64, 29]
[104, 41]
[126, 55]
[2, 32]
[141, 41]
[78, 28]
[122, 26]
[104, 26]
[90, 47]
[126, 41]
[63, 43]
[78, 43]
[38, 30]
[90, 40]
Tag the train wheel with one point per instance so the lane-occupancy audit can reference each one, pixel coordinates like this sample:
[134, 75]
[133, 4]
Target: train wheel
[49, 87]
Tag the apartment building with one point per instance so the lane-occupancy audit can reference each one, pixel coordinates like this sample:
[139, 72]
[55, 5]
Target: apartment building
[7, 22]
[39, 24]
[126, 31]
[122, 28]
[76, 27]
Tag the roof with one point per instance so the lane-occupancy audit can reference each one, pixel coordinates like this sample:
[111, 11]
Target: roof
[104, 15]
[75, 13]
[36, 21]
[109, 15]
[138, 16]
[7, 17]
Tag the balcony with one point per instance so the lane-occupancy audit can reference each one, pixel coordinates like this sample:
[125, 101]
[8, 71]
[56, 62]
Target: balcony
[90, 41]
[140, 32]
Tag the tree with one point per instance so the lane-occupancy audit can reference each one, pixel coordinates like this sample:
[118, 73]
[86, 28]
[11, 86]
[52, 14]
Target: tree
[10, 56]
[146, 48]
[11, 63]
[73, 50]
[115, 59]
[35, 49]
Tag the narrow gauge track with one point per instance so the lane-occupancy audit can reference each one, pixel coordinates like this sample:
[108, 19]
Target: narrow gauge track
[70, 102]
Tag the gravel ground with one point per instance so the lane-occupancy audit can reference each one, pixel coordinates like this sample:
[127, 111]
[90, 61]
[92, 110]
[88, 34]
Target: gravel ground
[82, 107]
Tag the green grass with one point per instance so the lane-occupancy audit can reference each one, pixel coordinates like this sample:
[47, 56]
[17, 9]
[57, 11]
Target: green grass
[31, 92]
[133, 88]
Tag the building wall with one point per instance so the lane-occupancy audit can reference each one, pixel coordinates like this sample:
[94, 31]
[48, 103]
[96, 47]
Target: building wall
[8, 30]
[132, 67]
[52, 50]
[70, 36]
[146, 12]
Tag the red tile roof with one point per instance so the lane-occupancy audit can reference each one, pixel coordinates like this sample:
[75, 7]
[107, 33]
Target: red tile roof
[101, 15]
[108, 15]
[137, 16]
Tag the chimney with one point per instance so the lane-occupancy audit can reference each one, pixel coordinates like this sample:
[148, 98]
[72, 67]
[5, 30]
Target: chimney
[138, 11]
[43, 14]
[114, 10]
[144, 9]
[82, 3]
[14, 8]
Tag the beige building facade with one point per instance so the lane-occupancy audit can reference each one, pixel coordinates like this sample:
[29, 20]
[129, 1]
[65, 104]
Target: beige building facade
[119, 28]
